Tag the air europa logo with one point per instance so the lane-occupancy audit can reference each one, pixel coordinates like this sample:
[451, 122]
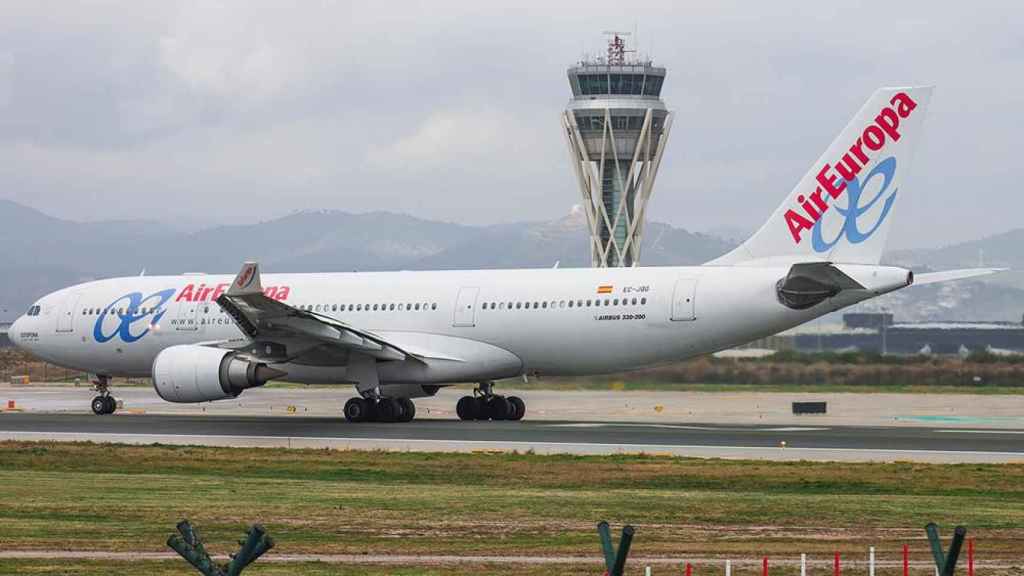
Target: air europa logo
[843, 178]
[127, 311]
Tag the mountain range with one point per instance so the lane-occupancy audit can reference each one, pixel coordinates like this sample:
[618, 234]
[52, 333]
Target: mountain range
[42, 253]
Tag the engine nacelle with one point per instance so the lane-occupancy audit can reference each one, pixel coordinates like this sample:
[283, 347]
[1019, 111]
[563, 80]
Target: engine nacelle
[199, 374]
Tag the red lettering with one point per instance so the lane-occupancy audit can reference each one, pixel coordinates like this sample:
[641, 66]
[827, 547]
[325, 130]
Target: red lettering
[282, 293]
[811, 212]
[903, 103]
[889, 122]
[204, 293]
[848, 168]
[828, 182]
[873, 137]
[818, 201]
[270, 292]
[219, 291]
[796, 224]
[856, 149]
[185, 294]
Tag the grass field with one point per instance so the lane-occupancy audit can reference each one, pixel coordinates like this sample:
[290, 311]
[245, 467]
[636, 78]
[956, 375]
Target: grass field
[128, 498]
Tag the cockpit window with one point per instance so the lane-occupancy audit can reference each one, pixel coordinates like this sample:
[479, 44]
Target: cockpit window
[33, 311]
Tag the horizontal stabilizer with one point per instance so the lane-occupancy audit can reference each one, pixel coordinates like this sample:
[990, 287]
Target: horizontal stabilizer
[949, 275]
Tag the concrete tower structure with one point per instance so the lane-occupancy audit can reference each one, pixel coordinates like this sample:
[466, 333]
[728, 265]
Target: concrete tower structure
[617, 126]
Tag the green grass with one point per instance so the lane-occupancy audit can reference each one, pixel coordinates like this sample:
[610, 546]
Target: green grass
[83, 496]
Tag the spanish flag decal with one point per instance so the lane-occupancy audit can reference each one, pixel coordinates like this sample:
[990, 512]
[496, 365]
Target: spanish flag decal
[606, 289]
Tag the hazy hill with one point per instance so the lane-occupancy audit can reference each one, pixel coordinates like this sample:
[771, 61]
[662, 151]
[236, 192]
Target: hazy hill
[42, 253]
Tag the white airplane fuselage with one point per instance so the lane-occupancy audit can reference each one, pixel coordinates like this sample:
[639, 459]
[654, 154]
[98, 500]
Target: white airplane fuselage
[477, 325]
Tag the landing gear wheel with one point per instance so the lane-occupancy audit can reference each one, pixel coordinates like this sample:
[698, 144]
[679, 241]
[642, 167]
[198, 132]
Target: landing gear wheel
[111, 404]
[99, 405]
[389, 410]
[499, 408]
[408, 410]
[466, 408]
[518, 407]
[358, 410]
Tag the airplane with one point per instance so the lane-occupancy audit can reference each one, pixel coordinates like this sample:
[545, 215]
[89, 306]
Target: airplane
[398, 336]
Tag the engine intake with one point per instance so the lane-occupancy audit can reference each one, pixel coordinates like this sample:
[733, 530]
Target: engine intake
[190, 373]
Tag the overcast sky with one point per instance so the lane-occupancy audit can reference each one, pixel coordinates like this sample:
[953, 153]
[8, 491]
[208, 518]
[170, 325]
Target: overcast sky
[239, 111]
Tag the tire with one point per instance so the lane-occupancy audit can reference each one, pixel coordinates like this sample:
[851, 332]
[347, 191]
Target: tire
[111, 404]
[408, 409]
[99, 405]
[518, 407]
[357, 410]
[466, 408]
[500, 408]
[389, 410]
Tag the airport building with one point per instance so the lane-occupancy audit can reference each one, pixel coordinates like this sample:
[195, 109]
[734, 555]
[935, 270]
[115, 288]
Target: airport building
[616, 125]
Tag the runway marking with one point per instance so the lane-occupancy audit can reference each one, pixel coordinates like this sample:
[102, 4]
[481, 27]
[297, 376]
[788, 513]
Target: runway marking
[520, 444]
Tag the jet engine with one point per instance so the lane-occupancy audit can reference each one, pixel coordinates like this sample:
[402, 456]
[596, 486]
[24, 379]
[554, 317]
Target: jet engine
[189, 373]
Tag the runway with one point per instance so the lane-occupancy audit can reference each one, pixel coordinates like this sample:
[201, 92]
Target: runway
[841, 443]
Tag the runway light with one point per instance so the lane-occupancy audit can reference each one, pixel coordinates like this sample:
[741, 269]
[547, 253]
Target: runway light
[782, 444]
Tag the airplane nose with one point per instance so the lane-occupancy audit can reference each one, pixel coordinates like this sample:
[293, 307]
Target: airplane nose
[14, 332]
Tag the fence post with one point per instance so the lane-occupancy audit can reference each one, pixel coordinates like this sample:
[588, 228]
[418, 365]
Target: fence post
[728, 568]
[647, 571]
[906, 560]
[871, 561]
[803, 565]
[764, 566]
[837, 569]
[689, 569]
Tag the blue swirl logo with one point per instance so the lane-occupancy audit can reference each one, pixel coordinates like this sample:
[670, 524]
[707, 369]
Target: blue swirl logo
[854, 209]
[129, 310]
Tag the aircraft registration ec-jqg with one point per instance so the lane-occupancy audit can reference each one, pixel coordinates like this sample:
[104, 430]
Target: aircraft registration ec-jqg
[397, 336]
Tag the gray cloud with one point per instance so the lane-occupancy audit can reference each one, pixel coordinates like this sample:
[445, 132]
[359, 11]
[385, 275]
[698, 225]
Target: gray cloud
[234, 111]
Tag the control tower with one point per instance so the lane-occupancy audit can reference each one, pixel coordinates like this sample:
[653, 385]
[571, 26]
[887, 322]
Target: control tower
[617, 127]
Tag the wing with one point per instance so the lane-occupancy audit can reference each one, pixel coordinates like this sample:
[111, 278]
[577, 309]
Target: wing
[280, 333]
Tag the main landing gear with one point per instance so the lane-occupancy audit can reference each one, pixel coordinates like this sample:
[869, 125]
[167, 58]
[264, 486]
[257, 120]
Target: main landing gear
[104, 403]
[380, 410]
[484, 404]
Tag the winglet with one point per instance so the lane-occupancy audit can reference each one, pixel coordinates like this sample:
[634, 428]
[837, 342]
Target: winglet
[247, 281]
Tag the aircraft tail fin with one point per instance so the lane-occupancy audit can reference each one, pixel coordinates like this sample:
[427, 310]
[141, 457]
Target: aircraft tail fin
[841, 210]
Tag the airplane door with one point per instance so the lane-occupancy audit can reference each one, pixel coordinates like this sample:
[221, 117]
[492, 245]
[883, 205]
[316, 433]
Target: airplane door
[465, 307]
[684, 299]
[187, 318]
[66, 313]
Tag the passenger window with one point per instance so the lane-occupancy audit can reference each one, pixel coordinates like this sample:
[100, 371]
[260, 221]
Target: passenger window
[391, 307]
[401, 307]
[359, 307]
[616, 302]
[570, 303]
[434, 306]
[417, 306]
[643, 300]
[518, 305]
[634, 301]
[334, 308]
[501, 306]
[588, 303]
[561, 304]
[545, 305]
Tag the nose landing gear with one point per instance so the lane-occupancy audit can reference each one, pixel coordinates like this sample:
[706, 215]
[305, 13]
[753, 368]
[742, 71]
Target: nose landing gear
[484, 404]
[104, 403]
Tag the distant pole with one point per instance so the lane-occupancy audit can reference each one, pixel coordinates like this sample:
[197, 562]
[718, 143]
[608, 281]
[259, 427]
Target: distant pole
[970, 557]
[728, 568]
[837, 569]
[764, 566]
[906, 560]
[871, 561]
[803, 565]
